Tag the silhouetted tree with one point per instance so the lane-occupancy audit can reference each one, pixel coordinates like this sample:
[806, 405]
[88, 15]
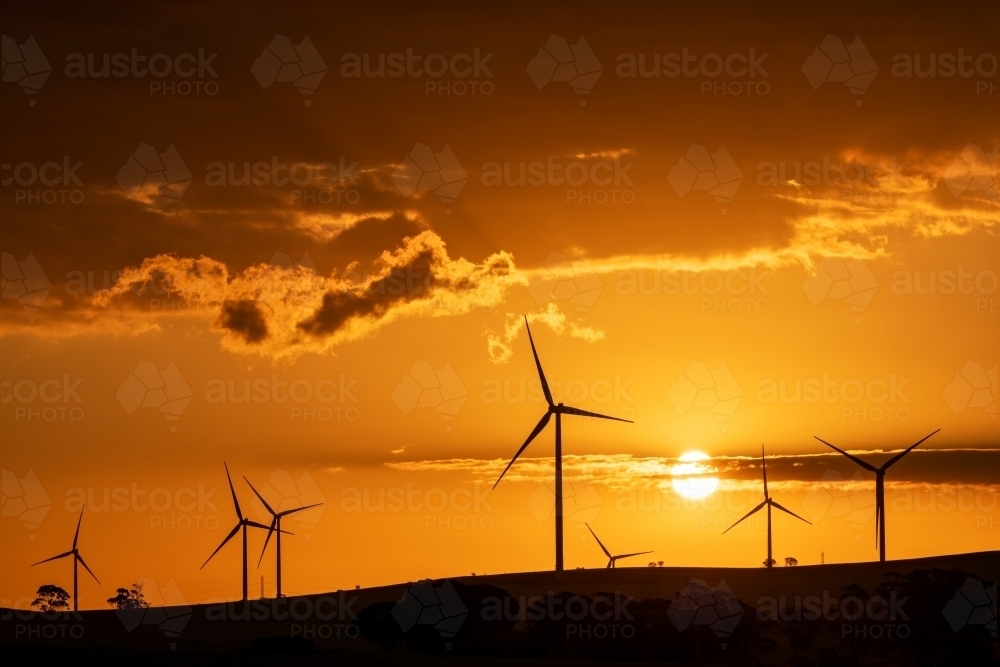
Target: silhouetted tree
[51, 598]
[791, 561]
[129, 598]
[770, 562]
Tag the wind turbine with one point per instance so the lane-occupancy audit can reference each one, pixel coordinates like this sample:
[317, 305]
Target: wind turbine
[557, 410]
[879, 488]
[276, 526]
[77, 558]
[770, 502]
[242, 522]
[612, 559]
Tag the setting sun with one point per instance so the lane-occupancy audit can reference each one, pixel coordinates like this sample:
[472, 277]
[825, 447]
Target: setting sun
[689, 478]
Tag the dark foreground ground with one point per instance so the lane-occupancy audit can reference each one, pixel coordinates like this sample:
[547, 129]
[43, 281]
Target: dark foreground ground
[930, 611]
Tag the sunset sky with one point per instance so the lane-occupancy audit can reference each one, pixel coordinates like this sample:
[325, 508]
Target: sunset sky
[271, 250]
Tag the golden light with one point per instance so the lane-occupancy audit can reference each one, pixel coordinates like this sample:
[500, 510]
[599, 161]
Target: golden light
[689, 476]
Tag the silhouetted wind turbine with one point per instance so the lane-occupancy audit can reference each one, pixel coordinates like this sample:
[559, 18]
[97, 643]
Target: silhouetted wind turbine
[770, 502]
[276, 526]
[879, 488]
[242, 522]
[77, 558]
[612, 559]
[557, 410]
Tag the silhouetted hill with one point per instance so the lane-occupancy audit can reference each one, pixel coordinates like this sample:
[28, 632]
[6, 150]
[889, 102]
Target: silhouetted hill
[933, 611]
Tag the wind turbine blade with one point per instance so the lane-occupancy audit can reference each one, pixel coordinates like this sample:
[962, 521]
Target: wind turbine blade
[236, 502]
[566, 410]
[538, 429]
[541, 374]
[84, 564]
[266, 540]
[637, 553]
[298, 509]
[864, 464]
[228, 537]
[906, 451]
[755, 509]
[606, 552]
[78, 522]
[68, 553]
[788, 511]
[259, 496]
[260, 525]
[763, 467]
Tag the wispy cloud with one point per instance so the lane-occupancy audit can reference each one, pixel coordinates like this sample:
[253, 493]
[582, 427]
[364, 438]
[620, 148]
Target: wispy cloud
[282, 313]
[790, 471]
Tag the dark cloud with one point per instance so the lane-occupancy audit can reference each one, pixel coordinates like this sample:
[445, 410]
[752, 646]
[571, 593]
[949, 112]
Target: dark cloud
[414, 280]
[245, 318]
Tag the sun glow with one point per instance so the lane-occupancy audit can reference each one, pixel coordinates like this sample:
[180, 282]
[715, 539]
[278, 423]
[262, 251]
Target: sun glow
[690, 475]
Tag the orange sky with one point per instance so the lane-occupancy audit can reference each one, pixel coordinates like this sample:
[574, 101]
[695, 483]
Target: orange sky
[755, 256]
